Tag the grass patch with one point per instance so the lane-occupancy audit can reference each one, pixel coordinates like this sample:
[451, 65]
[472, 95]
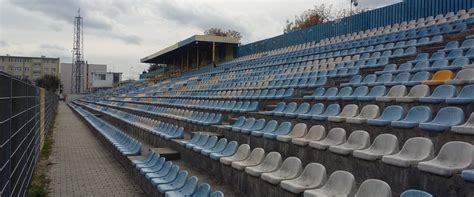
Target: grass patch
[40, 182]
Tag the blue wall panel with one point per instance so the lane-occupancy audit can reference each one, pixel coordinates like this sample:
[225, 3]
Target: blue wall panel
[396, 13]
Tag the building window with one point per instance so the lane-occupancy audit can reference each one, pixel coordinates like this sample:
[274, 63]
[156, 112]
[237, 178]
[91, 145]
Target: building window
[26, 69]
[17, 68]
[46, 69]
[100, 77]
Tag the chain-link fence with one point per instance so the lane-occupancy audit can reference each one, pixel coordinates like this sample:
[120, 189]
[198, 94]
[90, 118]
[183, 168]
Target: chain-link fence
[25, 117]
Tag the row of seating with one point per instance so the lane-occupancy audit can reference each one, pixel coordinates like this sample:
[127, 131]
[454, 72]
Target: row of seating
[244, 94]
[125, 144]
[162, 129]
[415, 151]
[210, 146]
[398, 93]
[170, 180]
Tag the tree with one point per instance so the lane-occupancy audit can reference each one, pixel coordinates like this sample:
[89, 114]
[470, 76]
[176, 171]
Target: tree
[318, 15]
[49, 82]
[153, 67]
[219, 32]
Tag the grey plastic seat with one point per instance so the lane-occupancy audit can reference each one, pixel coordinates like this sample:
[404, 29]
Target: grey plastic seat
[367, 112]
[415, 93]
[299, 130]
[394, 92]
[313, 176]
[453, 157]
[242, 153]
[315, 133]
[462, 77]
[350, 110]
[256, 157]
[289, 169]
[466, 128]
[271, 163]
[357, 140]
[414, 150]
[374, 188]
[334, 137]
[384, 144]
[339, 184]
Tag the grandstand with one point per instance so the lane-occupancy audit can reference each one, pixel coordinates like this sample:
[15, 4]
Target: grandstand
[381, 111]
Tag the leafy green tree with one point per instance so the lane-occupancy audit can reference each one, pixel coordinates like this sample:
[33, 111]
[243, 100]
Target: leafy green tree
[49, 82]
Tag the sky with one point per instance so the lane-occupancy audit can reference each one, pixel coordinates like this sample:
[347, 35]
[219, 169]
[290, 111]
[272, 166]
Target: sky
[119, 33]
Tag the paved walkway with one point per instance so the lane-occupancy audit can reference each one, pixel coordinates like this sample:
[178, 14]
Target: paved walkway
[81, 165]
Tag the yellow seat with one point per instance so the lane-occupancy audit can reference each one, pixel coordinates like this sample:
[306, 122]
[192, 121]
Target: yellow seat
[439, 77]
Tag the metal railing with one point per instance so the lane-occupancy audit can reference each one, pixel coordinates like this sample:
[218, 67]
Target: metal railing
[25, 117]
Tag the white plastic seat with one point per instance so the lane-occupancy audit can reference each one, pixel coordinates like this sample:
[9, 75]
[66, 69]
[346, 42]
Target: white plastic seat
[453, 157]
[348, 111]
[415, 93]
[256, 157]
[313, 176]
[339, 184]
[384, 144]
[357, 140]
[466, 128]
[315, 133]
[394, 92]
[374, 188]
[242, 153]
[271, 163]
[335, 136]
[367, 112]
[289, 169]
[299, 130]
[414, 150]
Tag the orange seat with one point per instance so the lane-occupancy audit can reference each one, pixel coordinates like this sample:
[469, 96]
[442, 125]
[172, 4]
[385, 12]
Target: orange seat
[439, 77]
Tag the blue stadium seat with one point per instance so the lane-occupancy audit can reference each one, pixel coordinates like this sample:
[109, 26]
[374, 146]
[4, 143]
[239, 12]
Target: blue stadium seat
[259, 124]
[187, 189]
[303, 108]
[445, 119]
[440, 94]
[329, 92]
[468, 175]
[359, 91]
[466, 96]
[345, 91]
[270, 127]
[316, 109]
[374, 93]
[283, 129]
[415, 116]
[317, 93]
[389, 114]
[415, 193]
[229, 150]
[278, 108]
[331, 110]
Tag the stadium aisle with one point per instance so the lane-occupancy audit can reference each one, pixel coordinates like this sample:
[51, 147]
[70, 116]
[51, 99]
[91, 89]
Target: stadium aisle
[81, 165]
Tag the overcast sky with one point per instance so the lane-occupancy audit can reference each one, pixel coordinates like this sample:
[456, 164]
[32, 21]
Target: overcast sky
[118, 33]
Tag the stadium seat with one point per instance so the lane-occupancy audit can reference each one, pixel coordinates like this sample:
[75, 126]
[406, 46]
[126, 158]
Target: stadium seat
[414, 117]
[316, 109]
[359, 91]
[203, 189]
[345, 91]
[453, 157]
[177, 183]
[202, 140]
[313, 176]
[242, 153]
[299, 130]
[317, 93]
[290, 108]
[259, 124]
[247, 124]
[389, 114]
[255, 157]
[374, 93]
[466, 128]
[289, 169]
[414, 150]
[170, 176]
[283, 129]
[329, 92]
[418, 78]
[193, 140]
[439, 77]
[384, 144]
[394, 93]
[462, 77]
[334, 137]
[271, 163]
[303, 108]
[348, 111]
[220, 146]
[331, 110]
[229, 150]
[415, 93]
[217, 194]
[211, 142]
[465, 96]
[374, 188]
[339, 183]
[445, 119]
[440, 94]
[165, 169]
[415, 193]
[278, 108]
[187, 189]
[468, 175]
[367, 112]
[270, 127]
[357, 140]
[315, 133]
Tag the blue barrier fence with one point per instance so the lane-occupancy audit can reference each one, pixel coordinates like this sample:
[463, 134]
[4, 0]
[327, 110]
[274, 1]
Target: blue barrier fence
[396, 13]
